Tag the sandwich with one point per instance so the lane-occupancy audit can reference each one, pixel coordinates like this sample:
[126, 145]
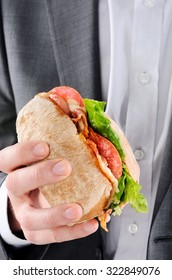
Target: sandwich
[105, 173]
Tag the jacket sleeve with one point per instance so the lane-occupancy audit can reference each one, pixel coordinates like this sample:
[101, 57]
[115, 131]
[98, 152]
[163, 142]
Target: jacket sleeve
[7, 111]
[7, 104]
[8, 137]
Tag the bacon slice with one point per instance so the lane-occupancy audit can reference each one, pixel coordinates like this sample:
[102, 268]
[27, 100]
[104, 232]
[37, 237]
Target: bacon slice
[72, 104]
[80, 119]
[61, 102]
[108, 151]
[103, 164]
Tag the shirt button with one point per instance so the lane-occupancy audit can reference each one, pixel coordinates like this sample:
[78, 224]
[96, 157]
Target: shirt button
[133, 228]
[149, 3]
[139, 154]
[144, 78]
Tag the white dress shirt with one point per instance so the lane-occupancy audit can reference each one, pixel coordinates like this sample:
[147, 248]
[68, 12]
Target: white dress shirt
[136, 71]
[139, 99]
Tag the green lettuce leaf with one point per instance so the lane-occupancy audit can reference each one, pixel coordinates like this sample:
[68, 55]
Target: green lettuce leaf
[129, 190]
[99, 122]
[132, 195]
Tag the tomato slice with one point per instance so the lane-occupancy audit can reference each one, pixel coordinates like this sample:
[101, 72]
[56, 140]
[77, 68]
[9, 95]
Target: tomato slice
[68, 93]
[108, 151]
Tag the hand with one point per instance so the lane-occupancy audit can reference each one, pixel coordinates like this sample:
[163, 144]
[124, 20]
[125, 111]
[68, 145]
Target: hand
[40, 223]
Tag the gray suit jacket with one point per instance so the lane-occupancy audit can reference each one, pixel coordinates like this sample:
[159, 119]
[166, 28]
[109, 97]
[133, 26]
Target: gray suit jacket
[55, 42]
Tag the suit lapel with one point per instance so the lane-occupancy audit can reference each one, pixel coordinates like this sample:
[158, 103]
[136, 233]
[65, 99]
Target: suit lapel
[166, 173]
[74, 32]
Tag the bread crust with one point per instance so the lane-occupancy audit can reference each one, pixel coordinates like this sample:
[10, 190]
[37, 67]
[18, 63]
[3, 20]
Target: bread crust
[41, 119]
[130, 159]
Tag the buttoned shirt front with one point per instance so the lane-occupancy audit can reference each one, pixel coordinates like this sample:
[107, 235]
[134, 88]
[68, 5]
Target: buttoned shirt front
[136, 63]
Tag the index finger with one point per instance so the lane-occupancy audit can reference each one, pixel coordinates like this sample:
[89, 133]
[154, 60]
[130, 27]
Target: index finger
[21, 154]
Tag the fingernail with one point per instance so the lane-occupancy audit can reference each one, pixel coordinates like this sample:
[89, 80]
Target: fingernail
[60, 168]
[90, 226]
[70, 213]
[39, 150]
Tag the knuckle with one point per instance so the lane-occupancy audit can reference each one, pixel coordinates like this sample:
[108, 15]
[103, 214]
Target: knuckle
[25, 221]
[10, 182]
[20, 151]
[30, 236]
[57, 236]
[37, 175]
[50, 217]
